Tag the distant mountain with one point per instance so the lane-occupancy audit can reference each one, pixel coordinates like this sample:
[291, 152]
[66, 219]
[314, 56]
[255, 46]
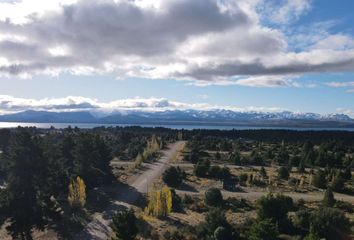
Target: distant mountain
[48, 117]
[210, 117]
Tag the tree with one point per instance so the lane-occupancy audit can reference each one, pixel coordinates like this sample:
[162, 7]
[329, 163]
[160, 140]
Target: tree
[172, 177]
[275, 208]
[319, 179]
[312, 235]
[214, 171]
[235, 157]
[301, 167]
[283, 173]
[328, 223]
[263, 172]
[213, 197]
[214, 219]
[338, 183]
[328, 199]
[263, 230]
[124, 225]
[160, 202]
[201, 168]
[221, 233]
[77, 193]
[224, 173]
[347, 174]
[27, 191]
[218, 156]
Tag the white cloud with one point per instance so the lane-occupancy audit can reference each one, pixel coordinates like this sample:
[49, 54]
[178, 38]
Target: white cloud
[203, 96]
[9, 104]
[348, 112]
[340, 84]
[212, 42]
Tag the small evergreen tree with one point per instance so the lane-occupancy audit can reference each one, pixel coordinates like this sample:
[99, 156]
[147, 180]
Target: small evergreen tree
[263, 230]
[263, 172]
[319, 179]
[221, 233]
[201, 168]
[328, 199]
[338, 183]
[172, 177]
[213, 197]
[283, 173]
[124, 225]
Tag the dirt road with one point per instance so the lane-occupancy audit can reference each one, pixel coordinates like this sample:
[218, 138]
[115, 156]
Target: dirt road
[128, 194]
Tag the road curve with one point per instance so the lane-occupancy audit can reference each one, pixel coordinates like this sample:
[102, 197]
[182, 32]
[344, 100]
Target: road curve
[98, 228]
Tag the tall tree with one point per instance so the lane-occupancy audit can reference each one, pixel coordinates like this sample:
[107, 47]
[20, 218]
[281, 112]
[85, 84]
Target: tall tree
[26, 185]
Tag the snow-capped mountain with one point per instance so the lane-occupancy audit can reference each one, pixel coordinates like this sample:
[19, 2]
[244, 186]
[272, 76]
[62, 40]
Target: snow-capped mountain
[210, 117]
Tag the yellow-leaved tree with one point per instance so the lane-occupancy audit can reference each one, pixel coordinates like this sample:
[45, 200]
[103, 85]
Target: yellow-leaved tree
[159, 202]
[77, 193]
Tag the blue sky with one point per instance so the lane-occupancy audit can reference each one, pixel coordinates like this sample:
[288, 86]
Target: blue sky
[263, 55]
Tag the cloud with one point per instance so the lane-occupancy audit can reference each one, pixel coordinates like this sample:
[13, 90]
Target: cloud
[203, 96]
[9, 104]
[340, 84]
[211, 42]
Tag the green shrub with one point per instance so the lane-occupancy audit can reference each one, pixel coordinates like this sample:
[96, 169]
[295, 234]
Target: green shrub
[319, 179]
[201, 168]
[124, 225]
[338, 183]
[263, 230]
[276, 209]
[283, 173]
[173, 177]
[214, 172]
[328, 222]
[328, 199]
[213, 197]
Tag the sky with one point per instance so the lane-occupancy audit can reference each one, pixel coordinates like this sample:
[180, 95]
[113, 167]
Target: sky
[244, 55]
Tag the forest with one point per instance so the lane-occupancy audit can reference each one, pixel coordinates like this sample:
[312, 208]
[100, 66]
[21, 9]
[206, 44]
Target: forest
[235, 184]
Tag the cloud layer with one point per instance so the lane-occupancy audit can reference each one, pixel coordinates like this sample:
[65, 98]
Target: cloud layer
[9, 104]
[206, 41]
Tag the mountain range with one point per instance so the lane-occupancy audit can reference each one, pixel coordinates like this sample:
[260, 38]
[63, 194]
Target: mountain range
[193, 117]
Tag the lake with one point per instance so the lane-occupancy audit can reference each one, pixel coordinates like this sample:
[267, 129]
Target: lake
[188, 127]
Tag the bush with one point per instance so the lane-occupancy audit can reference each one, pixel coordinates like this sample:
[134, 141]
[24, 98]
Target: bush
[347, 174]
[225, 173]
[328, 199]
[263, 172]
[329, 222]
[214, 172]
[124, 225]
[187, 199]
[201, 169]
[221, 233]
[319, 179]
[243, 177]
[276, 209]
[302, 219]
[173, 177]
[214, 219]
[263, 230]
[176, 201]
[213, 197]
[283, 173]
[338, 183]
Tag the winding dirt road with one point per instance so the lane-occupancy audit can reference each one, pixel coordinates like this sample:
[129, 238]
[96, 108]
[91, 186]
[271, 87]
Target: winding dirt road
[128, 195]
